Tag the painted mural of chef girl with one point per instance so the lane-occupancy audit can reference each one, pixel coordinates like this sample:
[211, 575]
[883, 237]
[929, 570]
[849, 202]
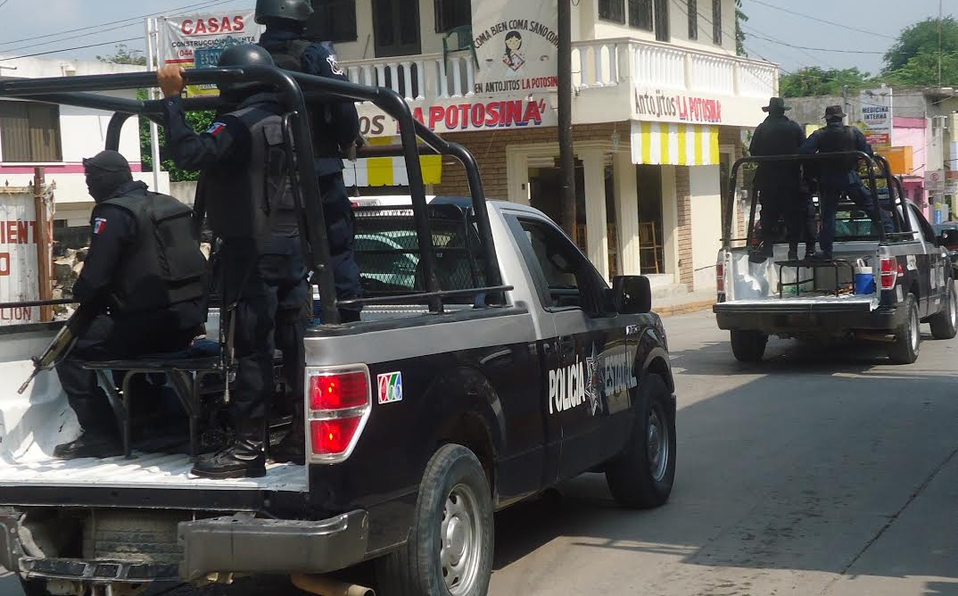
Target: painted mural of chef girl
[514, 57]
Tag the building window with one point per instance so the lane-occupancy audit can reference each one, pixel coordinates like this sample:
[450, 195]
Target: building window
[693, 7]
[640, 14]
[717, 22]
[612, 10]
[333, 20]
[451, 14]
[662, 20]
[30, 132]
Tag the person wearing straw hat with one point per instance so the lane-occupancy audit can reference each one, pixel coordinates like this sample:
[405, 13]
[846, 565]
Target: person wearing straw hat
[778, 182]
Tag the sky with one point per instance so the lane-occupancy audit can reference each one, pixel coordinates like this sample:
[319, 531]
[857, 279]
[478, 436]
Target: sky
[882, 19]
[24, 20]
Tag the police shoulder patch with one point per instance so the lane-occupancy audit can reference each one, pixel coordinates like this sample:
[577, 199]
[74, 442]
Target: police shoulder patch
[99, 225]
[216, 128]
[334, 66]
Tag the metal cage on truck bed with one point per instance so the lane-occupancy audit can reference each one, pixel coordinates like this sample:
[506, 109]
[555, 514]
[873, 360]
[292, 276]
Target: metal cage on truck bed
[295, 91]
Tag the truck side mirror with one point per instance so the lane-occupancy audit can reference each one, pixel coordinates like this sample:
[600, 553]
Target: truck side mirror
[632, 295]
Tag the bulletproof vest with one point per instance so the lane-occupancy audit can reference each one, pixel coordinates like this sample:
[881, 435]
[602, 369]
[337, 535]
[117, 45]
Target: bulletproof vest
[257, 200]
[291, 58]
[165, 265]
[838, 140]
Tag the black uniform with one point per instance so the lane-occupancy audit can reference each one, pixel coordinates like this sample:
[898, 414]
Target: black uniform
[152, 308]
[840, 177]
[778, 183]
[335, 126]
[242, 159]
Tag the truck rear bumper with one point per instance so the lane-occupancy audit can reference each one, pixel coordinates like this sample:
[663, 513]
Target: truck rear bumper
[235, 544]
[806, 319]
[246, 545]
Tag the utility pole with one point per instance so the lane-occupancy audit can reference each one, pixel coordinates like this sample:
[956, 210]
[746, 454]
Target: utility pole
[44, 241]
[940, 16]
[566, 150]
[845, 101]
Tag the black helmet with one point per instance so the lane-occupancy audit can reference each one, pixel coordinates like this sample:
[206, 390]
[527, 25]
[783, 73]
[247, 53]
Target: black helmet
[293, 10]
[243, 55]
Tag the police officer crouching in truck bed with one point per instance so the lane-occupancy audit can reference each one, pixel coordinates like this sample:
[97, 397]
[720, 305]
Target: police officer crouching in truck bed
[146, 276]
[335, 128]
[249, 201]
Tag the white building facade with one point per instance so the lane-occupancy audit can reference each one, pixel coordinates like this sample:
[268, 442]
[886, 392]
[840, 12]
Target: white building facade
[58, 138]
[660, 103]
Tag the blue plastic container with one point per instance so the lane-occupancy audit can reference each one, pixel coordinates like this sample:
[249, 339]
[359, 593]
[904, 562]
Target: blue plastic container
[864, 281]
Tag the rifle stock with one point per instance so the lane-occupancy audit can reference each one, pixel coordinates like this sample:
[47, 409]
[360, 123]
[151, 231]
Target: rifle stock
[62, 343]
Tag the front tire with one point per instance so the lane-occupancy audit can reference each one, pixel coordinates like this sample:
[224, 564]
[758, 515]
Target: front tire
[450, 545]
[748, 346]
[33, 587]
[641, 477]
[907, 344]
[944, 325]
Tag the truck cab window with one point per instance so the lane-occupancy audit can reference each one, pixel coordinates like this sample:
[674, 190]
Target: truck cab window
[569, 280]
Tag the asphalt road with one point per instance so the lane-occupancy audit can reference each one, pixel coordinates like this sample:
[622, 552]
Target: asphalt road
[824, 472]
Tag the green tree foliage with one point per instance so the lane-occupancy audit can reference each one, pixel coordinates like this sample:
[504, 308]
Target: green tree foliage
[921, 39]
[816, 81]
[124, 55]
[740, 19]
[197, 120]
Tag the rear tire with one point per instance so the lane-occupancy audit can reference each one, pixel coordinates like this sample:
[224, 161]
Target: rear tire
[33, 587]
[641, 477]
[451, 536]
[907, 344]
[748, 346]
[944, 325]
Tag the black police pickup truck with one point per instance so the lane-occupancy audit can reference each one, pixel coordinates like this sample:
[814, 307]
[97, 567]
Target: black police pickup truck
[879, 286]
[492, 363]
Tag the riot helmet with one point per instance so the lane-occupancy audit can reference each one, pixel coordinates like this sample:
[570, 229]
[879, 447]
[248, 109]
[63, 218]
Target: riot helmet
[291, 10]
[243, 55]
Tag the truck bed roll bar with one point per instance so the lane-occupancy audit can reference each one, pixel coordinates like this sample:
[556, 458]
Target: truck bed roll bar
[293, 91]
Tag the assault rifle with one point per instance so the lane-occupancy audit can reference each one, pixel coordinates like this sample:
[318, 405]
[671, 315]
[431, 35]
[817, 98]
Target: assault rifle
[61, 345]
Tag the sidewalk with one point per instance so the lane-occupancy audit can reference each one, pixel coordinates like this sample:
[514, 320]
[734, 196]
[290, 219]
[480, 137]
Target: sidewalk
[684, 303]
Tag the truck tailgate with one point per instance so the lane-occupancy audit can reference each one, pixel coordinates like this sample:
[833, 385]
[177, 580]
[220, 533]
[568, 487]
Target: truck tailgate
[800, 304]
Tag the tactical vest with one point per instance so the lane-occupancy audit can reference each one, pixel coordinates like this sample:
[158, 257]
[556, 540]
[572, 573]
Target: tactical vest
[165, 265]
[838, 140]
[291, 58]
[256, 201]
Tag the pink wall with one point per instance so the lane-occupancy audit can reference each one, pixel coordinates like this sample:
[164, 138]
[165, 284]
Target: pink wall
[910, 132]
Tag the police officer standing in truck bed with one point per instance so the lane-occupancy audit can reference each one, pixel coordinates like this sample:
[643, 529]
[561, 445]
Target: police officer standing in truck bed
[335, 127]
[245, 176]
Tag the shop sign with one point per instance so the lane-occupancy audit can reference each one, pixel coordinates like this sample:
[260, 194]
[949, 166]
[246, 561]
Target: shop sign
[877, 116]
[677, 107]
[516, 44]
[18, 256]
[197, 41]
[463, 117]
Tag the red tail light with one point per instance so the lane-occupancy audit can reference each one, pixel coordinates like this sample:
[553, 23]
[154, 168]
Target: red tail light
[890, 271]
[340, 402]
[720, 278]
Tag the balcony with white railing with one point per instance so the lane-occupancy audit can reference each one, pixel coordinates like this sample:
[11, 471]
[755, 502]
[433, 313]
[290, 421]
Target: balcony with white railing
[607, 76]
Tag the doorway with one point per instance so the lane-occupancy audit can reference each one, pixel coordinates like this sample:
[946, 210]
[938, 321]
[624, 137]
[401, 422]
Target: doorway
[651, 213]
[396, 28]
[545, 194]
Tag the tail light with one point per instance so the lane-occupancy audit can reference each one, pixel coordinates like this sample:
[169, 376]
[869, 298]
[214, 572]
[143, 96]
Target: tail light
[340, 401]
[720, 277]
[890, 271]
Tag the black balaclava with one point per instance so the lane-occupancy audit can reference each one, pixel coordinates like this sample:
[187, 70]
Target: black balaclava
[833, 120]
[106, 172]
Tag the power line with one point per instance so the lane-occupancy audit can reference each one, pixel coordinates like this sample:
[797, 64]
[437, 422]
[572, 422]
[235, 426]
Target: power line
[128, 21]
[811, 18]
[92, 45]
[753, 33]
[4, 3]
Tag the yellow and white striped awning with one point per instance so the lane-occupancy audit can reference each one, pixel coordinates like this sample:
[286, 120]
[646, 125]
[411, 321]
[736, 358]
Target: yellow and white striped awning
[661, 143]
[389, 171]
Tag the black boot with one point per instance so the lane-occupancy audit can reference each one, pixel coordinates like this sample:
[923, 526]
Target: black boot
[245, 459]
[90, 444]
[292, 449]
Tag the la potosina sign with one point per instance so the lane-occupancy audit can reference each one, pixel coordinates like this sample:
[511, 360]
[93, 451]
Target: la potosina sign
[516, 44]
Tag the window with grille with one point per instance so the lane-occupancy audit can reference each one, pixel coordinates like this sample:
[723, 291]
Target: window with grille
[640, 14]
[451, 14]
[333, 20]
[662, 20]
[693, 8]
[717, 22]
[612, 10]
[30, 132]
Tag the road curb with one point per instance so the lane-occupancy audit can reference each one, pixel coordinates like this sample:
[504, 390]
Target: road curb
[684, 309]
